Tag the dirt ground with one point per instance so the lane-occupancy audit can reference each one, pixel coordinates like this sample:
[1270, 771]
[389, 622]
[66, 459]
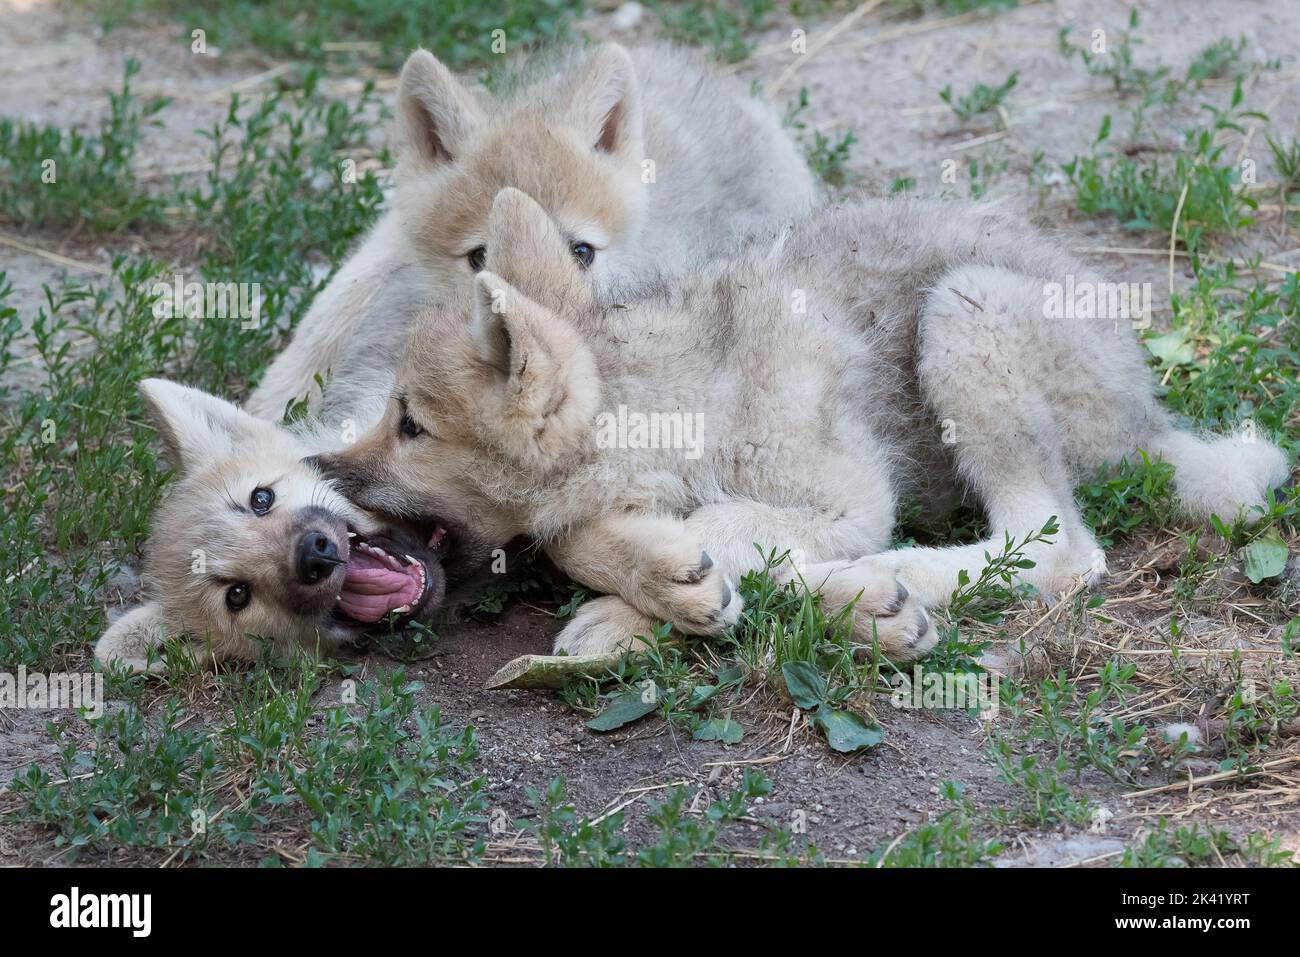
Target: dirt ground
[879, 77]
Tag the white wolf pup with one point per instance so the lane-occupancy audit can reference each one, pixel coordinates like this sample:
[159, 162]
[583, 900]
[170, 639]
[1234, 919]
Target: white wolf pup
[880, 348]
[650, 162]
[647, 158]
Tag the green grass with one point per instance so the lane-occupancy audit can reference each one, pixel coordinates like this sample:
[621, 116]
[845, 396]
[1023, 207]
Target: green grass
[1198, 187]
[528, 576]
[981, 99]
[827, 156]
[1132, 495]
[1286, 160]
[1243, 336]
[1197, 846]
[1149, 187]
[1154, 85]
[50, 177]
[459, 32]
[720, 25]
[952, 8]
[681, 839]
[380, 781]
[950, 840]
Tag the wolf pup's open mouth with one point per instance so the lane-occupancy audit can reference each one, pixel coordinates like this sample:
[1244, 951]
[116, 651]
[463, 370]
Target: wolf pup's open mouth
[386, 581]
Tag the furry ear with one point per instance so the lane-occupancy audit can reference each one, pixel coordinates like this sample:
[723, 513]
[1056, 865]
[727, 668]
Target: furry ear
[496, 325]
[527, 250]
[196, 426]
[605, 102]
[435, 112]
[546, 383]
[128, 640]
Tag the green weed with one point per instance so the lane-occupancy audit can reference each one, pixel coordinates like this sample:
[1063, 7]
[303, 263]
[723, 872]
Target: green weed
[50, 177]
[379, 780]
[460, 32]
[981, 99]
[720, 26]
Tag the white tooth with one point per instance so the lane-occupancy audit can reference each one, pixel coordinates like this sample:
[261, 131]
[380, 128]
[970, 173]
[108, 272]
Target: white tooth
[352, 534]
[409, 559]
[403, 609]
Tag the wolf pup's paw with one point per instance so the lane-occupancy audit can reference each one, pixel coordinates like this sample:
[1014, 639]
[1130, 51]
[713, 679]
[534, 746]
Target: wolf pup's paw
[696, 597]
[885, 613]
[605, 625]
[906, 636]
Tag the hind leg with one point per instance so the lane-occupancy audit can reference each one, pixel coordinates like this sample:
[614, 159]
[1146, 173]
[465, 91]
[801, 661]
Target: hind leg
[1092, 377]
[1031, 404]
[1020, 398]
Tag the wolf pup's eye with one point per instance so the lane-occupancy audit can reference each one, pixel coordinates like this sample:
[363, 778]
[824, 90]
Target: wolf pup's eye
[238, 596]
[261, 500]
[584, 253]
[477, 256]
[410, 428]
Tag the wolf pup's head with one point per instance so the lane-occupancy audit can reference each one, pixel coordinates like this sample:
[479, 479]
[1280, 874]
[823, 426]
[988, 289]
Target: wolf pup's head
[572, 141]
[252, 541]
[486, 413]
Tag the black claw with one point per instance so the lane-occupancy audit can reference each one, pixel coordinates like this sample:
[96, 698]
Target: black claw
[922, 625]
[1282, 493]
[705, 562]
[900, 597]
[726, 595]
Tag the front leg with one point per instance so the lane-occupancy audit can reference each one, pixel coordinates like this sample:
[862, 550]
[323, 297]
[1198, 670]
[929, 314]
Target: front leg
[605, 626]
[655, 565]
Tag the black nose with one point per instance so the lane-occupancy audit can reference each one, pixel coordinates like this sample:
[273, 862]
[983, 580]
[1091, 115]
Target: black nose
[317, 556]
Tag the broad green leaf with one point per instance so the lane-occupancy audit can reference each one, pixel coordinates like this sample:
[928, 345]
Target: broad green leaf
[1266, 557]
[624, 708]
[847, 731]
[1172, 349]
[700, 695]
[730, 675]
[725, 730]
[805, 683]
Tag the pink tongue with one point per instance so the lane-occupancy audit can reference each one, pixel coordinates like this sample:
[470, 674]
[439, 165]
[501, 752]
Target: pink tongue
[371, 589]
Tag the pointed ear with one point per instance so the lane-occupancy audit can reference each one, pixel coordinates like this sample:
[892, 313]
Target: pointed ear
[495, 324]
[547, 386]
[527, 250]
[195, 426]
[128, 640]
[605, 102]
[435, 112]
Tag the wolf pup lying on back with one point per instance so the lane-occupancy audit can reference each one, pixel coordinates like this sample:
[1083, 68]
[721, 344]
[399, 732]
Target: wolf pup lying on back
[648, 161]
[827, 372]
